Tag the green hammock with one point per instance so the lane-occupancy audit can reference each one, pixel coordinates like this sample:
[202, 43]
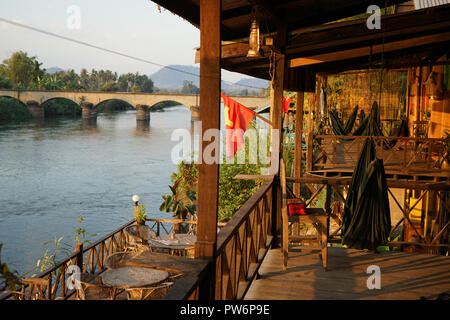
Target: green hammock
[343, 129]
[366, 221]
[371, 125]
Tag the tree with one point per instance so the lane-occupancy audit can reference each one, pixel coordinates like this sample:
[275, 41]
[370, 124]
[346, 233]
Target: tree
[110, 86]
[189, 88]
[5, 83]
[22, 69]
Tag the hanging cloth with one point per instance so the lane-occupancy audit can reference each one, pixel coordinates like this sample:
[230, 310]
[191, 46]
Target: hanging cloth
[371, 125]
[366, 219]
[343, 129]
[323, 101]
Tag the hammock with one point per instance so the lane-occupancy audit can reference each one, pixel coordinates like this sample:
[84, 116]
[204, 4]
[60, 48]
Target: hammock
[366, 220]
[371, 125]
[343, 129]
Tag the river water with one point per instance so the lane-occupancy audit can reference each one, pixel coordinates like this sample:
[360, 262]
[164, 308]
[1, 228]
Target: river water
[55, 170]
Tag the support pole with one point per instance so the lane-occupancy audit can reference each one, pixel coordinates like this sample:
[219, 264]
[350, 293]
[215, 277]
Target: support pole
[210, 52]
[298, 141]
[276, 111]
[309, 150]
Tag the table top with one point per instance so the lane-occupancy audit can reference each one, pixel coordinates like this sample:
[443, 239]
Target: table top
[133, 277]
[181, 241]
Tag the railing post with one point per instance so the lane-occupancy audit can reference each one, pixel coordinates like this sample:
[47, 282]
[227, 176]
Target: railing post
[79, 251]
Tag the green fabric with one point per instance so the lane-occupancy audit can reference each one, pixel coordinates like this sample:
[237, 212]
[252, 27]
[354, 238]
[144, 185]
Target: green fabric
[371, 125]
[362, 116]
[366, 220]
[343, 129]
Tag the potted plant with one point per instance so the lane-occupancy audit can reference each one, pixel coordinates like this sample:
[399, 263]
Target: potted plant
[140, 214]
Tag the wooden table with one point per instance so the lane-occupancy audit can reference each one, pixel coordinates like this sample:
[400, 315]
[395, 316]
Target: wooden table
[178, 246]
[133, 277]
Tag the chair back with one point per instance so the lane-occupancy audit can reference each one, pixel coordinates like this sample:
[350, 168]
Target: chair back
[38, 289]
[150, 293]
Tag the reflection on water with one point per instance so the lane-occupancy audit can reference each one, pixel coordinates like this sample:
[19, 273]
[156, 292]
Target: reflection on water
[142, 128]
[57, 169]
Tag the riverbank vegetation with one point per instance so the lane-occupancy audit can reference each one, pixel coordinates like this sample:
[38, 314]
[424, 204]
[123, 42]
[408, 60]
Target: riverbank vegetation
[233, 193]
[11, 109]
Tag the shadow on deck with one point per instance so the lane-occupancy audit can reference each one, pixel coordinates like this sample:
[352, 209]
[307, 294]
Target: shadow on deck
[403, 276]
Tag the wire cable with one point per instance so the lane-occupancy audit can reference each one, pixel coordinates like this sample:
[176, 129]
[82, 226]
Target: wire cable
[116, 52]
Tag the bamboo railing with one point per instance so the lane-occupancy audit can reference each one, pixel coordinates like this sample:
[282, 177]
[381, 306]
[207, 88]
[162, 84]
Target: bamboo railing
[241, 247]
[397, 153]
[92, 258]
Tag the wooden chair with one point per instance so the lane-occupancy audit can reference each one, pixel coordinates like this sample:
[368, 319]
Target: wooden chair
[91, 288]
[316, 216]
[138, 236]
[149, 293]
[38, 289]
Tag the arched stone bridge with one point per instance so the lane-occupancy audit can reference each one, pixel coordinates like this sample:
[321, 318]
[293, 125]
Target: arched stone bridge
[143, 102]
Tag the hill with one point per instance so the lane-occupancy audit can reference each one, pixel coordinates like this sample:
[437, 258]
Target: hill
[52, 70]
[168, 78]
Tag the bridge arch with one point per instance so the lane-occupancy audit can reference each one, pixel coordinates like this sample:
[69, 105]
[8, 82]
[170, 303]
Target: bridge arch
[121, 104]
[169, 103]
[66, 106]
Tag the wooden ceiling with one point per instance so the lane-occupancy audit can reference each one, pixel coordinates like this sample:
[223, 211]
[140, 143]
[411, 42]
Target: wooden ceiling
[237, 15]
[315, 45]
[406, 39]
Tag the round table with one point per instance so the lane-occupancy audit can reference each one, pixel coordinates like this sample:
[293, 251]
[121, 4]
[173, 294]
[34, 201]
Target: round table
[133, 277]
[181, 245]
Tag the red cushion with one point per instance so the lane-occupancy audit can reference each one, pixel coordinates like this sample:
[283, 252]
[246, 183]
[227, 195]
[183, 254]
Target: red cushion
[297, 208]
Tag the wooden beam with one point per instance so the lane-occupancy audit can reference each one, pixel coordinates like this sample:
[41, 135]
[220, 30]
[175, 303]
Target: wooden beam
[365, 51]
[210, 25]
[298, 141]
[276, 111]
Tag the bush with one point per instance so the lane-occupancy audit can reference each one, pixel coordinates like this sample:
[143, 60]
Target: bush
[59, 107]
[11, 109]
[113, 105]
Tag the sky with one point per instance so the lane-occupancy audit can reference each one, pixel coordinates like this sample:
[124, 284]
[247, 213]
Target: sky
[135, 28]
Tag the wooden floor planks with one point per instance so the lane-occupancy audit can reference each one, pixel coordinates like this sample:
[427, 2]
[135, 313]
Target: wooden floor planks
[403, 276]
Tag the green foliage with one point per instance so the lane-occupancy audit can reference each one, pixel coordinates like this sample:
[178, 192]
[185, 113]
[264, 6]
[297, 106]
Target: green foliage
[181, 200]
[114, 105]
[48, 83]
[233, 193]
[135, 83]
[9, 278]
[49, 259]
[5, 82]
[12, 109]
[21, 68]
[189, 88]
[159, 107]
[110, 86]
[141, 214]
[61, 107]
[81, 235]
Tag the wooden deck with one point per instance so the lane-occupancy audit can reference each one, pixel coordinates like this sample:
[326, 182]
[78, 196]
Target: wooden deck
[403, 276]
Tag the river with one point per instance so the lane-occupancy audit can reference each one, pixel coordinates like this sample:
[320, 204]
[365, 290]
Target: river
[57, 169]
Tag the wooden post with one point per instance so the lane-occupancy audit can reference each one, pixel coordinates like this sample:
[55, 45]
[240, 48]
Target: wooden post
[79, 250]
[298, 141]
[298, 151]
[309, 150]
[276, 111]
[210, 50]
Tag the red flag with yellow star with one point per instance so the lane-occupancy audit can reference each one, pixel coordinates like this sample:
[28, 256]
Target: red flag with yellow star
[237, 118]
